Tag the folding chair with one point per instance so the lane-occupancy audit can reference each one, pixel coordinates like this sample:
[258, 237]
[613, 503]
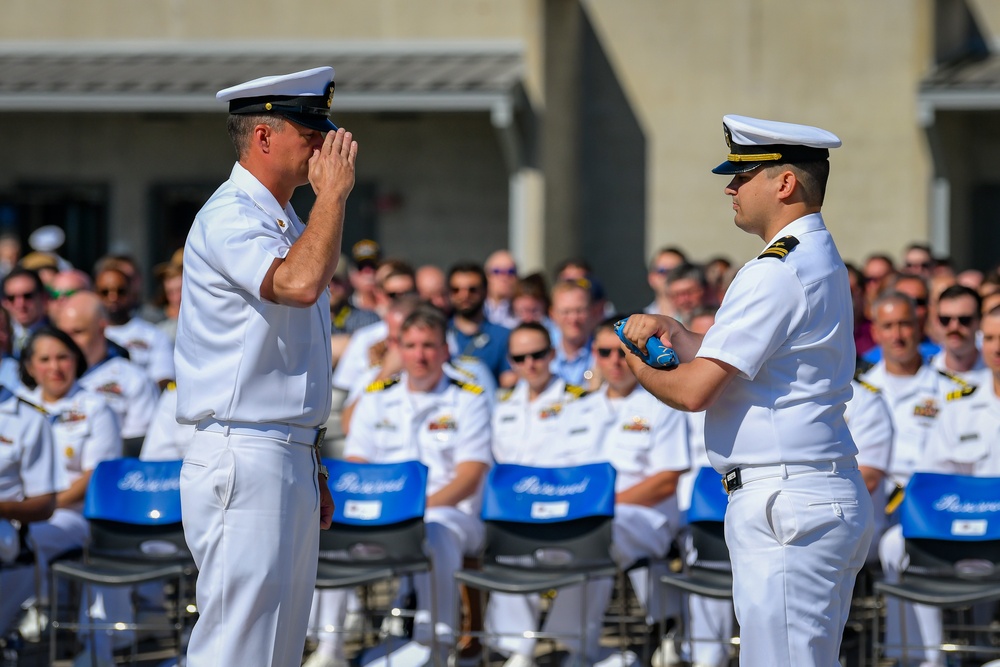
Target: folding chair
[378, 526]
[136, 537]
[951, 530]
[546, 529]
[709, 573]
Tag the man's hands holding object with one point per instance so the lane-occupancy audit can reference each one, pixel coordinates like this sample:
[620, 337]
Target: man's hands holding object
[657, 354]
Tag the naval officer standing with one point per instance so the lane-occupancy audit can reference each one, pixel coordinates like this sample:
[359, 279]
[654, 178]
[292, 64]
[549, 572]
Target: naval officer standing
[773, 374]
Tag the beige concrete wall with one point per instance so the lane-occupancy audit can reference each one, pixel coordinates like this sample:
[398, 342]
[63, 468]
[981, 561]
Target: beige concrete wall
[850, 66]
[987, 14]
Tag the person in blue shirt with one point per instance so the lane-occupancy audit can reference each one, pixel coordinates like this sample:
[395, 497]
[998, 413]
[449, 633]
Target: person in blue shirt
[470, 334]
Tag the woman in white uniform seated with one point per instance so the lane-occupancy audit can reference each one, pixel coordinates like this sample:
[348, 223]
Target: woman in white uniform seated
[84, 430]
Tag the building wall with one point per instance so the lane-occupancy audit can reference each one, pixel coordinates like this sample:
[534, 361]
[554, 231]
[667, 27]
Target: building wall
[851, 67]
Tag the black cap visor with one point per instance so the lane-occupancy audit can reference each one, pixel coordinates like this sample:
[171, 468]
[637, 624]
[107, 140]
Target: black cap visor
[729, 168]
[313, 121]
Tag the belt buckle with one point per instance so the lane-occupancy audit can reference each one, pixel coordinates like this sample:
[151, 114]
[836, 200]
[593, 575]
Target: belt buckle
[320, 434]
[732, 480]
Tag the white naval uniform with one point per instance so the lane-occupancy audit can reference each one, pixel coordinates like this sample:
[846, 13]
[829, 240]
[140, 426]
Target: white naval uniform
[441, 428]
[355, 362]
[798, 535]
[529, 432]
[640, 437]
[962, 442]
[167, 439]
[128, 391]
[29, 468]
[937, 362]
[915, 402]
[85, 432]
[870, 420]
[148, 347]
[255, 378]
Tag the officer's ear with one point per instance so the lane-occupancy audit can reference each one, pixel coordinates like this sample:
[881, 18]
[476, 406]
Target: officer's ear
[260, 137]
[786, 185]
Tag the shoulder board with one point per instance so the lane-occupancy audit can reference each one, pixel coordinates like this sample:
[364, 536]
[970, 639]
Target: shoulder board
[780, 248]
[954, 378]
[961, 393]
[870, 387]
[576, 391]
[32, 405]
[379, 385]
[171, 386]
[467, 373]
[505, 394]
[467, 386]
[861, 367]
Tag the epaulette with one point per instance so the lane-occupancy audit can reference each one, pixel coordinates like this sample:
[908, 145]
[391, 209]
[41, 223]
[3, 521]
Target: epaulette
[870, 387]
[505, 394]
[861, 367]
[467, 386]
[780, 248]
[171, 386]
[21, 399]
[968, 390]
[379, 385]
[576, 391]
[954, 378]
[464, 371]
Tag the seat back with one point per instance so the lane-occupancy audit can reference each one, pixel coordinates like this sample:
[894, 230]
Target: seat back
[134, 510]
[706, 517]
[951, 523]
[379, 512]
[548, 518]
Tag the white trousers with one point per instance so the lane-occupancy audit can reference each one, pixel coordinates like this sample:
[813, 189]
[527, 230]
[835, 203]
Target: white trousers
[637, 532]
[921, 624]
[797, 543]
[251, 519]
[451, 535]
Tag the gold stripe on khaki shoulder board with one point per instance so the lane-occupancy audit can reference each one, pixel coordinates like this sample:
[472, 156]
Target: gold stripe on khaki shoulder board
[467, 386]
[379, 385]
[968, 390]
[780, 248]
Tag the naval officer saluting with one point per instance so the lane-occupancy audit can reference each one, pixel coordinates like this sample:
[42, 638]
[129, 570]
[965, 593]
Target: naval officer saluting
[253, 371]
[773, 374]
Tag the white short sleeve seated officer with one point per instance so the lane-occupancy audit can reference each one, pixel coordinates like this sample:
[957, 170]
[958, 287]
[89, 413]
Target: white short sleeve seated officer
[253, 364]
[773, 374]
[647, 444]
[425, 415]
[963, 441]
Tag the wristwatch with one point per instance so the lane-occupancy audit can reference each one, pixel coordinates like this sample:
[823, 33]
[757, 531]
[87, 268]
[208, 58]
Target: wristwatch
[323, 471]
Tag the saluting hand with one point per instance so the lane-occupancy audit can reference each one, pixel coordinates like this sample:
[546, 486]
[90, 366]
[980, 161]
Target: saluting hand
[331, 167]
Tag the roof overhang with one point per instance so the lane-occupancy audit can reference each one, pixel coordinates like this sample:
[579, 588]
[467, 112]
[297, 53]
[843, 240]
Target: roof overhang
[966, 85]
[184, 76]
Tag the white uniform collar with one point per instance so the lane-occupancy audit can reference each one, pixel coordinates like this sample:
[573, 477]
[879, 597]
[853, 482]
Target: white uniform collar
[807, 223]
[924, 380]
[262, 197]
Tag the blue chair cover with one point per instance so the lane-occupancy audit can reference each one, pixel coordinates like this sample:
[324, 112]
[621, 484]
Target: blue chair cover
[525, 494]
[951, 507]
[709, 499]
[128, 490]
[377, 494]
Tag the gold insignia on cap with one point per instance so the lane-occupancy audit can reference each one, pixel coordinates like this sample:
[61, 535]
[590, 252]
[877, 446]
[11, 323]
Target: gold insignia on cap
[729, 136]
[757, 157]
[268, 106]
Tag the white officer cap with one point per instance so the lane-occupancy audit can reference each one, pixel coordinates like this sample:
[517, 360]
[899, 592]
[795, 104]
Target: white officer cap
[753, 142]
[47, 238]
[302, 97]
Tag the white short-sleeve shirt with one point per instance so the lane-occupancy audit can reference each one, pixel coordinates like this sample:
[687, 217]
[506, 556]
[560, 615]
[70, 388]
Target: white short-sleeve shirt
[238, 357]
[352, 370]
[441, 428]
[128, 391]
[964, 441]
[167, 439]
[148, 347]
[786, 326]
[84, 430]
[529, 432]
[915, 404]
[637, 434]
[28, 464]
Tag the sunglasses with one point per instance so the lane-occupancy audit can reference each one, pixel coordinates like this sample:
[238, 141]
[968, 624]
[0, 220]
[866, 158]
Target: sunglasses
[964, 320]
[510, 271]
[396, 295]
[108, 291]
[605, 352]
[475, 289]
[919, 265]
[537, 356]
[24, 295]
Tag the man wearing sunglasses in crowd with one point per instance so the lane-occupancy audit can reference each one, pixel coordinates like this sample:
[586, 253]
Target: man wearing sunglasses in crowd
[25, 300]
[501, 283]
[470, 334]
[957, 322]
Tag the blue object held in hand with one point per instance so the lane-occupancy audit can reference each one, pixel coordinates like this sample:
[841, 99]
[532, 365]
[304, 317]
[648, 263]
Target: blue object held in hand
[659, 355]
